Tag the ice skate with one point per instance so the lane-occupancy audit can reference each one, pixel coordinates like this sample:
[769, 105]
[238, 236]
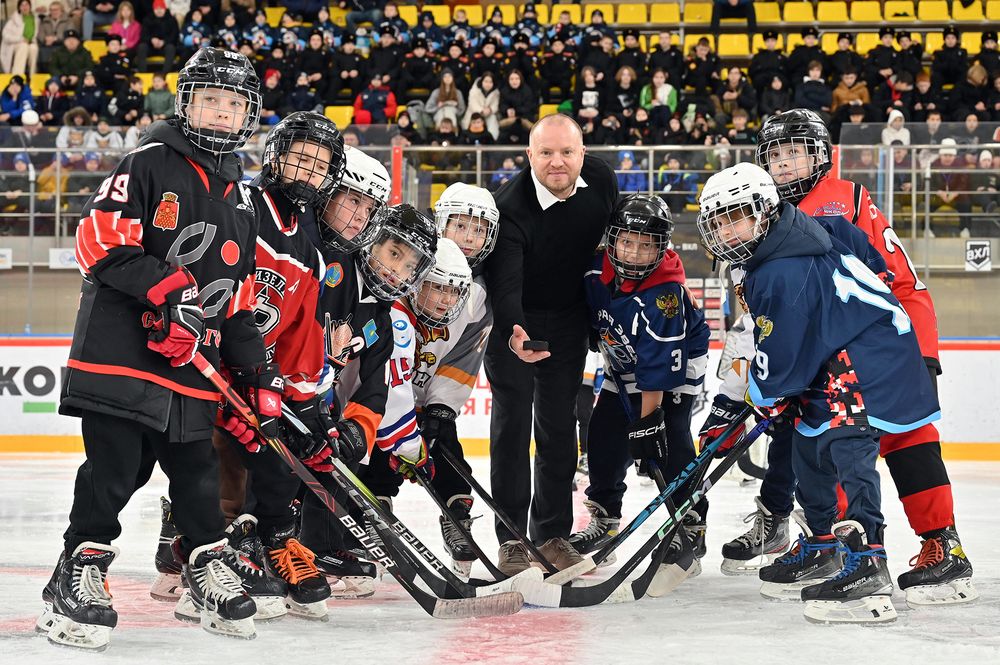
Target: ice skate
[293, 562]
[462, 556]
[215, 596]
[348, 576]
[78, 604]
[598, 532]
[941, 574]
[168, 585]
[679, 564]
[812, 559]
[268, 591]
[766, 540]
[861, 592]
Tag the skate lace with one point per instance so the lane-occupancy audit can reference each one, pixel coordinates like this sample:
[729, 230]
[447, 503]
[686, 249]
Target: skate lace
[854, 559]
[515, 554]
[451, 532]
[598, 525]
[242, 559]
[295, 561]
[802, 549]
[755, 535]
[90, 585]
[931, 554]
[218, 581]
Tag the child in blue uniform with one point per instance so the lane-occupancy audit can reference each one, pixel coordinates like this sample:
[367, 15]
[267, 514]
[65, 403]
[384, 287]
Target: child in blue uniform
[655, 345]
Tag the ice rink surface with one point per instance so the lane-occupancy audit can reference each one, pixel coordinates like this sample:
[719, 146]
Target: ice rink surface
[709, 619]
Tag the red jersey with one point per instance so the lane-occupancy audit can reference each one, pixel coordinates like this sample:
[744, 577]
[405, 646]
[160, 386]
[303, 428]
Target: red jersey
[288, 275]
[832, 196]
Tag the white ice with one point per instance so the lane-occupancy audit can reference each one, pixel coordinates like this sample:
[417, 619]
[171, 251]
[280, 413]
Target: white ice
[709, 619]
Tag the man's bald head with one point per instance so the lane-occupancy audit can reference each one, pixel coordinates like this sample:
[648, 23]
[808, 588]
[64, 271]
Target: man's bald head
[555, 152]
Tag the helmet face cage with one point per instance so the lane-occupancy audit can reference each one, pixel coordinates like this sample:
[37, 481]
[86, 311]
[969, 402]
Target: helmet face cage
[350, 220]
[438, 302]
[235, 109]
[635, 252]
[473, 227]
[305, 158]
[398, 259]
[732, 232]
[796, 163]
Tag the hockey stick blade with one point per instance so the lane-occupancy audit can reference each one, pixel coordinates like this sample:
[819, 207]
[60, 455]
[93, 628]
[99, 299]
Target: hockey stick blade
[501, 604]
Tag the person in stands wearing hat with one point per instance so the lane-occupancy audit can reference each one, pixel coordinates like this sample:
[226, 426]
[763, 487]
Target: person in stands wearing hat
[387, 57]
[767, 62]
[160, 35]
[15, 100]
[556, 69]
[376, 104]
[734, 9]
[630, 177]
[951, 62]
[989, 56]
[948, 187]
[114, 68]
[317, 63]
[456, 59]
[803, 54]
[70, 60]
[427, 29]
[528, 25]
[882, 60]
[390, 16]
[844, 58]
[566, 31]
[417, 71]
[632, 55]
[53, 104]
[911, 54]
[489, 58]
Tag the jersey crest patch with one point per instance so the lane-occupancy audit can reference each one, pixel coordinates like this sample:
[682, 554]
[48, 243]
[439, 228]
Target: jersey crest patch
[334, 274]
[166, 212]
[766, 328]
[832, 209]
[667, 303]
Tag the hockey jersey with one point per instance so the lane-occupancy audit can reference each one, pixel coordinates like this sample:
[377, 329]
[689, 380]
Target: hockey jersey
[398, 433]
[830, 333]
[288, 274]
[832, 196]
[166, 204]
[651, 336]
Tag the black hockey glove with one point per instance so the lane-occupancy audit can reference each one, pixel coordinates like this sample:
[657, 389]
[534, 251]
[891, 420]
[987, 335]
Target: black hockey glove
[261, 387]
[316, 448]
[175, 331]
[438, 428]
[352, 446]
[782, 415]
[724, 412]
[647, 440]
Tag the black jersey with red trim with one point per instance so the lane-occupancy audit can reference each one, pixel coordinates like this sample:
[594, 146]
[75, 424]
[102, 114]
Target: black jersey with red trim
[288, 274]
[166, 204]
[359, 343]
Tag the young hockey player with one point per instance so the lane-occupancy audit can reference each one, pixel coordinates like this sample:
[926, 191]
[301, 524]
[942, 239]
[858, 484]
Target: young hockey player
[794, 147]
[836, 352]
[655, 347]
[167, 274]
[346, 216]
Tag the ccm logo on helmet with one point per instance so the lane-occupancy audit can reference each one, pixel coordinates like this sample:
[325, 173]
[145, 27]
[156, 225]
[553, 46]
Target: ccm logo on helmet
[649, 431]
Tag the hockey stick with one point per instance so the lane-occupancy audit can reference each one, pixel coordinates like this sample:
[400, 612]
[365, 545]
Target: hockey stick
[398, 567]
[617, 589]
[389, 526]
[453, 460]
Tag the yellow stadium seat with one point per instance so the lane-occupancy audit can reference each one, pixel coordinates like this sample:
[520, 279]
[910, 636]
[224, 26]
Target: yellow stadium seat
[437, 189]
[442, 13]
[866, 41]
[799, 12]
[792, 39]
[339, 16]
[631, 13]
[768, 12]
[972, 42]
[410, 14]
[933, 10]
[147, 80]
[474, 13]
[342, 116]
[973, 12]
[733, 46]
[828, 41]
[509, 13]
[37, 85]
[934, 42]
[758, 42]
[547, 109]
[575, 13]
[869, 11]
[5, 80]
[606, 8]
[543, 13]
[698, 13]
[899, 10]
[97, 47]
[172, 82]
[831, 11]
[274, 15]
[667, 14]
[691, 39]
[993, 10]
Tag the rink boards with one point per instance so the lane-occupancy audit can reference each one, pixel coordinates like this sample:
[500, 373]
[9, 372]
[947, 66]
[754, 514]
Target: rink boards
[31, 369]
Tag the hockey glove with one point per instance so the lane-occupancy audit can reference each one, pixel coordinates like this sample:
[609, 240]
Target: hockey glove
[782, 415]
[438, 428]
[724, 412]
[179, 322]
[351, 443]
[261, 387]
[316, 448]
[647, 440]
[409, 468]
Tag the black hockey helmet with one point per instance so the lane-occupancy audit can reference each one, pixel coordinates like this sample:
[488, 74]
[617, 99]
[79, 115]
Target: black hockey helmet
[229, 72]
[638, 235]
[295, 162]
[800, 128]
[402, 253]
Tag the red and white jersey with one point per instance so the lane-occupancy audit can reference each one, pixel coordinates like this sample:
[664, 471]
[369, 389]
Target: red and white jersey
[832, 196]
[398, 432]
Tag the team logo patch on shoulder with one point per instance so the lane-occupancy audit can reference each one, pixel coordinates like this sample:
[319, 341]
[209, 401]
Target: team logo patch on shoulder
[166, 212]
[369, 331]
[667, 303]
[334, 274]
[766, 328]
[831, 209]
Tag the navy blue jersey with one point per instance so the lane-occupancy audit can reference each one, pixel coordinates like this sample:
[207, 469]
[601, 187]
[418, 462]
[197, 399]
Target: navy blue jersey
[830, 332]
[651, 336]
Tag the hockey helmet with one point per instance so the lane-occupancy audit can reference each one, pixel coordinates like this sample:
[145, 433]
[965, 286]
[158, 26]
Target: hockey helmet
[348, 216]
[304, 156]
[401, 253]
[736, 210]
[445, 290]
[794, 147]
[639, 235]
[468, 215]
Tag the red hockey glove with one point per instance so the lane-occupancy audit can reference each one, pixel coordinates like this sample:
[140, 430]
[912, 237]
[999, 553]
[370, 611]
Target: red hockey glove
[180, 322]
[724, 412]
[261, 387]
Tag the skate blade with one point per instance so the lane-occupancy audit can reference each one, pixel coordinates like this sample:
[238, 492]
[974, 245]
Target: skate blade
[462, 568]
[951, 593]
[350, 588]
[867, 610]
[668, 577]
[735, 567]
[787, 592]
[67, 633]
[46, 620]
[167, 588]
[269, 608]
[236, 628]
[186, 610]
[310, 611]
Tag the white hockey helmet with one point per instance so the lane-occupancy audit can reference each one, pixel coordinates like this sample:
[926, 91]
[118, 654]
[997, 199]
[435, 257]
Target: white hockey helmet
[736, 209]
[475, 220]
[346, 217]
[445, 291]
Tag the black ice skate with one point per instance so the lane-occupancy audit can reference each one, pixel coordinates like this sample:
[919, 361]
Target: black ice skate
[292, 561]
[941, 574]
[215, 596]
[268, 591]
[599, 531]
[679, 564]
[812, 559]
[168, 584]
[462, 556]
[694, 527]
[861, 592]
[766, 540]
[78, 604]
[349, 576]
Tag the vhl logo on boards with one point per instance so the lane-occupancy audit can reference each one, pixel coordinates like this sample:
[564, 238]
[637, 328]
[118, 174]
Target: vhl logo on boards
[978, 255]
